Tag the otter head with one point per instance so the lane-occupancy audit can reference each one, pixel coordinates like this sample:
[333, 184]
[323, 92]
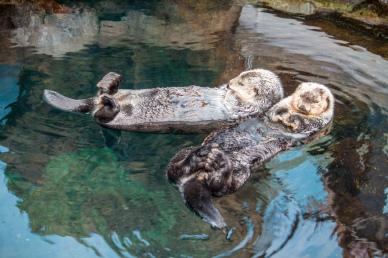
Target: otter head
[307, 111]
[257, 87]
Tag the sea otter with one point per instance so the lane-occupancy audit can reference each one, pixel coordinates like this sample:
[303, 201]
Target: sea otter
[227, 157]
[187, 109]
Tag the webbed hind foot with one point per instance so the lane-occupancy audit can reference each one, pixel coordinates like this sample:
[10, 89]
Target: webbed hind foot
[198, 198]
[109, 84]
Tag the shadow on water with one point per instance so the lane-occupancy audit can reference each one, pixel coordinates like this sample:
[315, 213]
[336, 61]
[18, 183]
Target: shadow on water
[72, 189]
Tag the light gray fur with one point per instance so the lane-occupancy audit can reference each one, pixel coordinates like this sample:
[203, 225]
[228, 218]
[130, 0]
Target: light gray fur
[187, 109]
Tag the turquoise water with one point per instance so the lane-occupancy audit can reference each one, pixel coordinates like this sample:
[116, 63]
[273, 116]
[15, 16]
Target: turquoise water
[69, 188]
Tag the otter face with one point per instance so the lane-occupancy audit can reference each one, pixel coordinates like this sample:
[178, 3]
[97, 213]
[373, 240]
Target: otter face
[308, 110]
[257, 86]
[310, 99]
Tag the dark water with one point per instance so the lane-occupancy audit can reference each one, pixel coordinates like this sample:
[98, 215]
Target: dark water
[69, 188]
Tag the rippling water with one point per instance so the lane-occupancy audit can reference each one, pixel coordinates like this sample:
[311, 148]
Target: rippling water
[69, 188]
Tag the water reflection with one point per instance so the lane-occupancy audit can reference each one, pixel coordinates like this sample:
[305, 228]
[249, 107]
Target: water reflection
[67, 182]
[196, 31]
[294, 6]
[58, 33]
[9, 90]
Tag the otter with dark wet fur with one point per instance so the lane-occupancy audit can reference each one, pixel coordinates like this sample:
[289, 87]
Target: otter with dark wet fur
[187, 109]
[227, 157]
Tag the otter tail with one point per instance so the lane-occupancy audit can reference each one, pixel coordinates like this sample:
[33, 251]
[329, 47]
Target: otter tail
[67, 104]
[198, 198]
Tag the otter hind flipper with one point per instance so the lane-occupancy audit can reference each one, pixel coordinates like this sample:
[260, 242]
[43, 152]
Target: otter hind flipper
[198, 198]
[110, 83]
[67, 104]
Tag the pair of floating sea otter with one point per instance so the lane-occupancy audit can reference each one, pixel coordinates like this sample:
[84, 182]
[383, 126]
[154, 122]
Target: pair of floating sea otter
[251, 124]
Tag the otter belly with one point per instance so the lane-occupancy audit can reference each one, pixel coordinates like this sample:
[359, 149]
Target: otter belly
[185, 109]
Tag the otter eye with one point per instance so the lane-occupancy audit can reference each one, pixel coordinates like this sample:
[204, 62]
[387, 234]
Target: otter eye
[281, 111]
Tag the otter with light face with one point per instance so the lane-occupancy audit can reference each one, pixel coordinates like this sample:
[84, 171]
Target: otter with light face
[227, 157]
[187, 109]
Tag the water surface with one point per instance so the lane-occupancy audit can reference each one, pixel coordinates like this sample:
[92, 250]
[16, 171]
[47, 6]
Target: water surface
[69, 188]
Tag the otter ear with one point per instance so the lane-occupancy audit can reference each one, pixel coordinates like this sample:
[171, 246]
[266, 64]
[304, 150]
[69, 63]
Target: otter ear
[198, 199]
